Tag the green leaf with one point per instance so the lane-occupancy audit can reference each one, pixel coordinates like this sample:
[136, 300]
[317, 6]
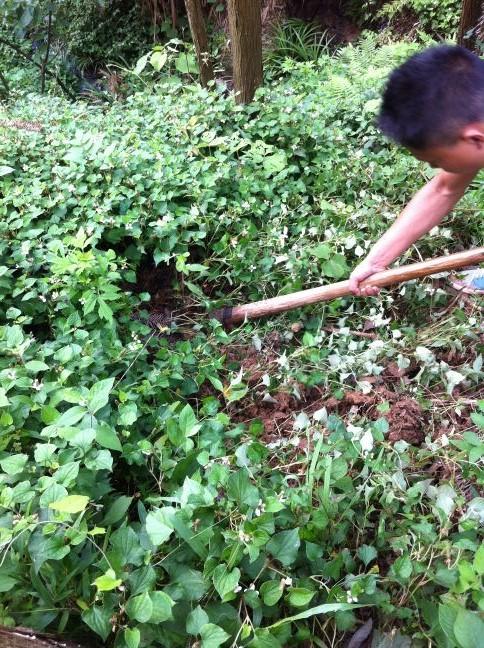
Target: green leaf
[188, 421]
[284, 546]
[142, 580]
[67, 473]
[107, 438]
[15, 336]
[162, 607]
[196, 620]
[402, 568]
[225, 581]
[468, 629]
[158, 59]
[367, 553]
[241, 490]
[43, 548]
[98, 395]
[191, 583]
[4, 402]
[478, 419]
[479, 560]
[141, 63]
[213, 635]
[70, 504]
[128, 414]
[6, 170]
[275, 163]
[264, 639]
[71, 416]
[158, 532]
[322, 251]
[44, 452]
[140, 608]
[99, 620]
[326, 608]
[14, 464]
[447, 617]
[7, 583]
[107, 581]
[99, 460]
[127, 543]
[446, 577]
[271, 592]
[117, 510]
[300, 596]
[132, 637]
[104, 311]
[335, 267]
[186, 64]
[35, 366]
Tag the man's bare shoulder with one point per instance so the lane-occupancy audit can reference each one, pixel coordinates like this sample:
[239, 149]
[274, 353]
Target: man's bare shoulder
[454, 183]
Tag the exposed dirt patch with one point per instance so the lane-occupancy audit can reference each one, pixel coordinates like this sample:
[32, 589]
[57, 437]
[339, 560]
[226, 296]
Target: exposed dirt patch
[406, 420]
[21, 125]
[255, 363]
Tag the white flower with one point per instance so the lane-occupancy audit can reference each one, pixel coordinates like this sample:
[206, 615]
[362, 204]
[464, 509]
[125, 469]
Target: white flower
[243, 537]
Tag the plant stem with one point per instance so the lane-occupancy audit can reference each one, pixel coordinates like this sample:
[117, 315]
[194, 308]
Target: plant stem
[48, 73]
[43, 67]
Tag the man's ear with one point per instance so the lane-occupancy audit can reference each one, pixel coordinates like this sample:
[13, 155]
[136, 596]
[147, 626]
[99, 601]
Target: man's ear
[474, 134]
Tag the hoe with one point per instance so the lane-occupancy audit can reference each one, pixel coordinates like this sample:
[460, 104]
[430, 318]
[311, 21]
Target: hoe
[232, 315]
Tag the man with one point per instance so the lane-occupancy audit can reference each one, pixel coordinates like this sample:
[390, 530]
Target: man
[434, 106]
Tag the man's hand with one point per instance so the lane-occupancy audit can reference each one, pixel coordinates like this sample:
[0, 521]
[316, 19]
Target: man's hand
[361, 272]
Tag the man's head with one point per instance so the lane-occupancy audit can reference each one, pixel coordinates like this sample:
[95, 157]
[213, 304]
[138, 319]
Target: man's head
[434, 105]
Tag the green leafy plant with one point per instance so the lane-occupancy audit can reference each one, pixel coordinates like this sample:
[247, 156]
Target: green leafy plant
[151, 493]
[297, 40]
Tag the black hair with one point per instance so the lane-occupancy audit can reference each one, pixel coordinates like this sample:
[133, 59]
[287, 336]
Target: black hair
[431, 96]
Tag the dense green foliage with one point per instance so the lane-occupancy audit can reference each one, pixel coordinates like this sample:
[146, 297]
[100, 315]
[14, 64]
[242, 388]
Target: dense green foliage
[436, 16]
[95, 33]
[134, 493]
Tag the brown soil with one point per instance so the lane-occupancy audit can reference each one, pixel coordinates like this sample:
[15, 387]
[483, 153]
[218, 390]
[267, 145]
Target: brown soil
[407, 419]
[254, 363]
[21, 125]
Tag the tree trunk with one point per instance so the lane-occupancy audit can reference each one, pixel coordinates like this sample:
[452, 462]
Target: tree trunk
[469, 17]
[47, 54]
[246, 39]
[199, 35]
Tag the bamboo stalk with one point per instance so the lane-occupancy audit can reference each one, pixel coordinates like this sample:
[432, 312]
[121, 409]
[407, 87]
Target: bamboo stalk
[341, 289]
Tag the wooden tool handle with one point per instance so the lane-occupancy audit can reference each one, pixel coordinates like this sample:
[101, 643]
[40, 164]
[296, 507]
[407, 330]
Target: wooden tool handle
[340, 289]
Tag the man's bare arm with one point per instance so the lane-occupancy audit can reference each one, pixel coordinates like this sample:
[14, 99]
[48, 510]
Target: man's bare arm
[426, 209]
